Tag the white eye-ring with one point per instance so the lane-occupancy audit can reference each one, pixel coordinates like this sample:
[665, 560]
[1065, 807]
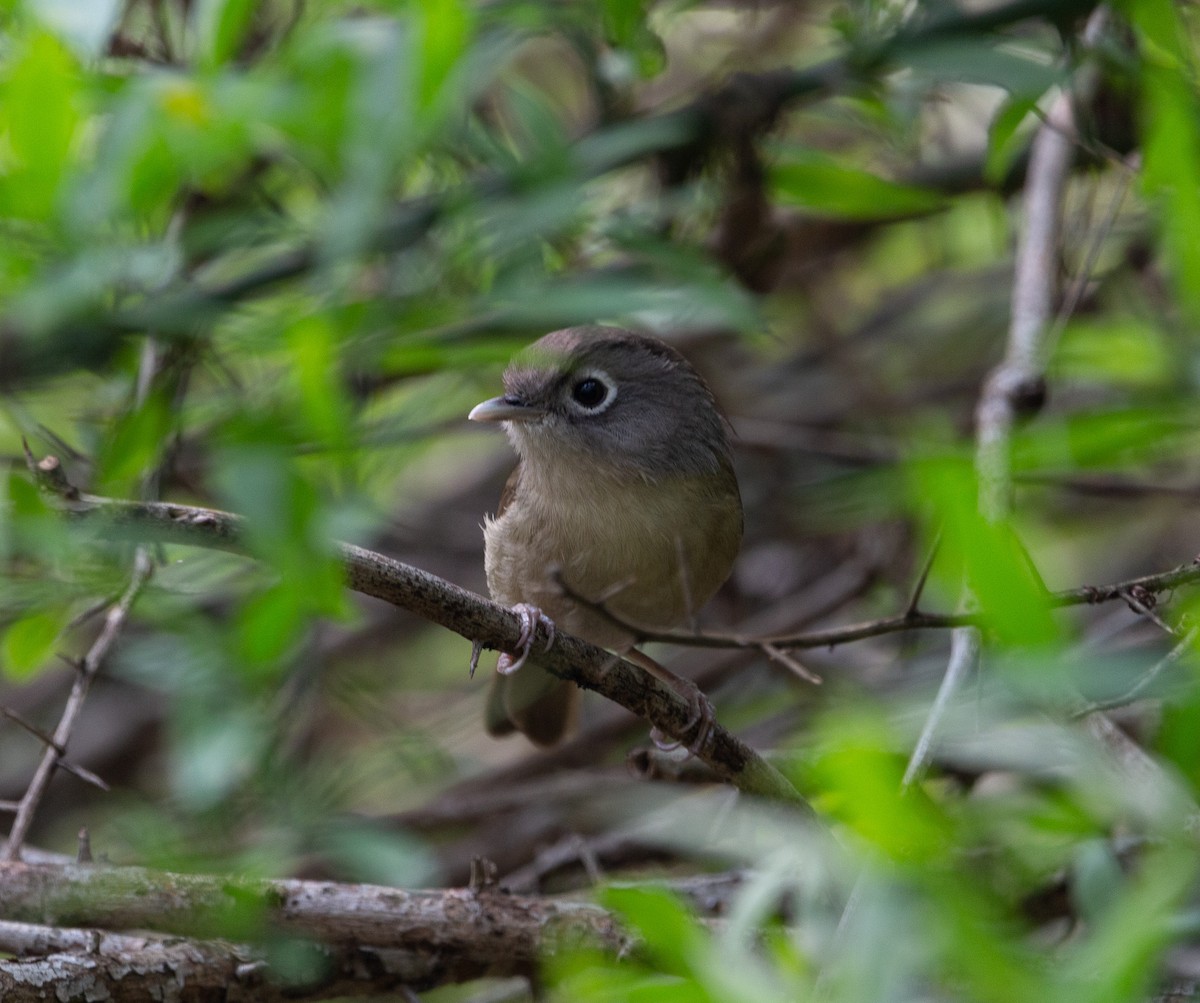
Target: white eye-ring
[592, 392]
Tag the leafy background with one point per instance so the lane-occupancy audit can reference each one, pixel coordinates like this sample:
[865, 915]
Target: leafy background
[264, 256]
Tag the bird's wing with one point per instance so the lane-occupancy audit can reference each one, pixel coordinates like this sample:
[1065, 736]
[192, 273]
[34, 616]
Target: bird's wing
[510, 490]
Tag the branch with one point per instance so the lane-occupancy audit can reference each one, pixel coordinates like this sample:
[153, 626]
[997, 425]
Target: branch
[436, 937]
[100, 965]
[56, 747]
[831, 637]
[460, 610]
[1016, 387]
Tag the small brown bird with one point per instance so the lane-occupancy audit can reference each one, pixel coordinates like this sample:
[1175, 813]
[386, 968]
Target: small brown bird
[624, 496]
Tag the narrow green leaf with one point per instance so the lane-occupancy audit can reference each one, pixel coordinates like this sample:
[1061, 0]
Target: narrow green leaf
[221, 26]
[1171, 138]
[1006, 138]
[445, 28]
[39, 115]
[831, 189]
[29, 642]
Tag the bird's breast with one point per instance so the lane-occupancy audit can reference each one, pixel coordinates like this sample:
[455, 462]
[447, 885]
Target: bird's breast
[653, 552]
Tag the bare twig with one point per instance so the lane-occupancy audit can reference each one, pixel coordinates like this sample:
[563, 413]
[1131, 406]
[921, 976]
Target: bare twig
[1018, 382]
[114, 621]
[1144, 683]
[786, 660]
[1143, 605]
[919, 586]
[964, 657]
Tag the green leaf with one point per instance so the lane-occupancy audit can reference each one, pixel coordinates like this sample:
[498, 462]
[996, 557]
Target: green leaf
[671, 934]
[1171, 138]
[1122, 351]
[39, 115]
[859, 768]
[220, 27]
[29, 642]
[132, 447]
[373, 853]
[213, 754]
[623, 20]
[269, 625]
[829, 189]
[1006, 138]
[317, 372]
[979, 60]
[444, 31]
[997, 568]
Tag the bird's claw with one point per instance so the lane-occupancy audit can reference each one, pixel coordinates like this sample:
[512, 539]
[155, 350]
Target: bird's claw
[530, 616]
[701, 719]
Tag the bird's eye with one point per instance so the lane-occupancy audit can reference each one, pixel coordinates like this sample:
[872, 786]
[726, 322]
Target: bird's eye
[589, 393]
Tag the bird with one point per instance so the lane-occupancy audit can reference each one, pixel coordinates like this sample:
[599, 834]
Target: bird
[623, 511]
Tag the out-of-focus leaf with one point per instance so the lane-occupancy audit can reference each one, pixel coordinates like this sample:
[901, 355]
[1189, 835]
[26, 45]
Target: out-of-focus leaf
[688, 961]
[132, 447]
[325, 409]
[1006, 138]
[1096, 878]
[858, 771]
[220, 26]
[669, 931]
[626, 28]
[29, 642]
[286, 527]
[444, 32]
[623, 19]
[1118, 962]
[377, 854]
[657, 304]
[998, 570]
[1116, 350]
[1171, 138]
[297, 962]
[1175, 739]
[270, 624]
[39, 115]
[831, 189]
[978, 60]
[1110, 438]
[213, 754]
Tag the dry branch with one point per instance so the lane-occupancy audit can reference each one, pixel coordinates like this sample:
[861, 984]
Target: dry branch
[440, 936]
[52, 756]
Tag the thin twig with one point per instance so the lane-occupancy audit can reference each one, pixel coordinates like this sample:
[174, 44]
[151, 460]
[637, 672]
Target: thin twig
[114, 621]
[964, 657]
[1145, 609]
[1140, 687]
[1021, 374]
[919, 586]
[786, 660]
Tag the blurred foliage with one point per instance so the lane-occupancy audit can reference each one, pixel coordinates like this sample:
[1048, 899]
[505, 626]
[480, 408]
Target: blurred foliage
[264, 255]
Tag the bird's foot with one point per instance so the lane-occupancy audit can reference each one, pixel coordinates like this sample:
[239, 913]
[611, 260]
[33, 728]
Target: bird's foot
[530, 616]
[701, 718]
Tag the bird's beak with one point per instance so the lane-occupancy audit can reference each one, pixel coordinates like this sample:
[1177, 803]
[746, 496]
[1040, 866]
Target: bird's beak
[507, 408]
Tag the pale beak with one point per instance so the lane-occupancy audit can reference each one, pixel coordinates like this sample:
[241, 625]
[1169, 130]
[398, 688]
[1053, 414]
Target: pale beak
[505, 409]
